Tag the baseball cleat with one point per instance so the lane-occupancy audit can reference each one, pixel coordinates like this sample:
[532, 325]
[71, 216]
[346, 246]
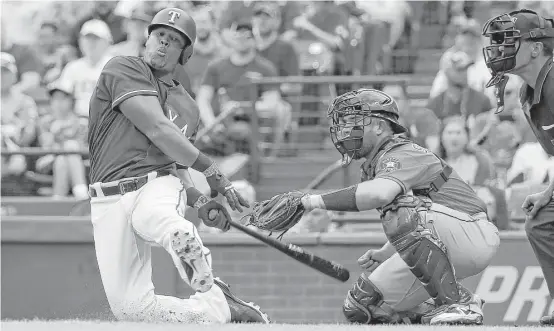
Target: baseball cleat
[548, 319]
[190, 252]
[241, 311]
[470, 313]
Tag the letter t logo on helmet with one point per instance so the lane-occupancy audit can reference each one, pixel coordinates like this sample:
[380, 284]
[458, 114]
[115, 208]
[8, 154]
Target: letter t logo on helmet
[173, 15]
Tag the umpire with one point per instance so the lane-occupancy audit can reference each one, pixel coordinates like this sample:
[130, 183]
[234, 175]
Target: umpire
[522, 43]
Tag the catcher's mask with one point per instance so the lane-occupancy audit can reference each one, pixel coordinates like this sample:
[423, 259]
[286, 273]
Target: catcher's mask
[348, 113]
[505, 33]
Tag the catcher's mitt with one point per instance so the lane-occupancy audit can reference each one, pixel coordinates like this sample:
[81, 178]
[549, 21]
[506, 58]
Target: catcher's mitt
[279, 213]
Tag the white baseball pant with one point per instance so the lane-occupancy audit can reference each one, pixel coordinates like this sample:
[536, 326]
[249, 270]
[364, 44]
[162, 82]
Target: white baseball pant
[125, 227]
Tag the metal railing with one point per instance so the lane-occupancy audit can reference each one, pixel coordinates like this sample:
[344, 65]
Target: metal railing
[354, 82]
[254, 85]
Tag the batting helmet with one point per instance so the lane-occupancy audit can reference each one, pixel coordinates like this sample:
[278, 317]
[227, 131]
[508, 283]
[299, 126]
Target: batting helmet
[347, 113]
[179, 20]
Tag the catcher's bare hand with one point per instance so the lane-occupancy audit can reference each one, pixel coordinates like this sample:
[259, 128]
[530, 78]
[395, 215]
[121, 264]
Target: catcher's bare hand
[214, 215]
[371, 259]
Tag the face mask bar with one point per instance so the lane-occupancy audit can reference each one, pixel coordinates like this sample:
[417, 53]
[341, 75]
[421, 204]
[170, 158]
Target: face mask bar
[500, 54]
[349, 116]
[347, 133]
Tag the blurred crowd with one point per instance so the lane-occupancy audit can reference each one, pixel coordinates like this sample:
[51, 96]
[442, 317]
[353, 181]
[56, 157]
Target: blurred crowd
[53, 53]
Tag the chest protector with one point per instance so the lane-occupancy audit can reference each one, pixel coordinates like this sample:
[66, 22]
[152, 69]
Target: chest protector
[369, 168]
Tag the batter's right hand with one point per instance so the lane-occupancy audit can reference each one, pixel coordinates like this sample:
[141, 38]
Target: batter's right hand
[221, 221]
[371, 259]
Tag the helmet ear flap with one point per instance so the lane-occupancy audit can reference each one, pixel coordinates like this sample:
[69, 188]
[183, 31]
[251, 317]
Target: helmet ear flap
[186, 54]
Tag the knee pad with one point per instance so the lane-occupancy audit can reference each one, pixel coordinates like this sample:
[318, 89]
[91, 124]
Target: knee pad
[364, 304]
[422, 251]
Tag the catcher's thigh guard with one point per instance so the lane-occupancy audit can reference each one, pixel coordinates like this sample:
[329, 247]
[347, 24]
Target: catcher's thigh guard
[364, 304]
[422, 251]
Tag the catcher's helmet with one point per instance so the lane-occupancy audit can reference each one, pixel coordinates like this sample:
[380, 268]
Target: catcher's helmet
[179, 20]
[505, 32]
[347, 113]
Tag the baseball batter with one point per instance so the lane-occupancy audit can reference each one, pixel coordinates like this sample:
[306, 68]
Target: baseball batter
[437, 228]
[142, 125]
[522, 44]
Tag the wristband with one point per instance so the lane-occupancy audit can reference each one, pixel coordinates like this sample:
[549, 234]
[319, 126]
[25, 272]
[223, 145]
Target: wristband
[341, 200]
[202, 200]
[212, 170]
[194, 197]
[313, 201]
[202, 163]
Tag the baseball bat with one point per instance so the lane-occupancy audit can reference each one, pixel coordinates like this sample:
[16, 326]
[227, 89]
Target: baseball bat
[322, 265]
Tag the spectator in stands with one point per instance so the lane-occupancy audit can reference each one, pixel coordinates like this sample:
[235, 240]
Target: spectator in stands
[473, 166]
[29, 66]
[468, 41]
[63, 129]
[422, 124]
[19, 116]
[55, 55]
[103, 11]
[136, 28]
[266, 23]
[229, 12]
[459, 99]
[531, 165]
[208, 46]
[394, 13]
[485, 122]
[459, 19]
[82, 74]
[227, 76]
[326, 22]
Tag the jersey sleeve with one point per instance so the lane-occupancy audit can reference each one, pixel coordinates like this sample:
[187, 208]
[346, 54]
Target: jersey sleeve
[411, 167]
[123, 78]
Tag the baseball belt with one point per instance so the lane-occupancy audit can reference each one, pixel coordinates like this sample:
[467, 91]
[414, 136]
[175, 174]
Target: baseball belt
[123, 186]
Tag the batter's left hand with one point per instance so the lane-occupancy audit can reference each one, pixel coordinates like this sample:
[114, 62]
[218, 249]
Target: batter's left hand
[534, 202]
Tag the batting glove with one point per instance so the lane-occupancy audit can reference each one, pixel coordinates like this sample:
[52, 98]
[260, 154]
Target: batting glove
[220, 184]
[212, 213]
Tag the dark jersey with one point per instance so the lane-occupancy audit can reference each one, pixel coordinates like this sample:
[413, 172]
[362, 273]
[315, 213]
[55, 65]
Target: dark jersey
[283, 56]
[117, 148]
[414, 167]
[538, 107]
[223, 73]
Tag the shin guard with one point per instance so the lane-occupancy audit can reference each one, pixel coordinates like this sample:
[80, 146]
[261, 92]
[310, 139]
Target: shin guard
[423, 252]
[364, 304]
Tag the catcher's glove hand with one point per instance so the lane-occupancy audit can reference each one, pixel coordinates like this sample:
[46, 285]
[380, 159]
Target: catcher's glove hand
[279, 213]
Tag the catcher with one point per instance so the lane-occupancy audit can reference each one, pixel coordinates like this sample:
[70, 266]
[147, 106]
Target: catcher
[437, 228]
